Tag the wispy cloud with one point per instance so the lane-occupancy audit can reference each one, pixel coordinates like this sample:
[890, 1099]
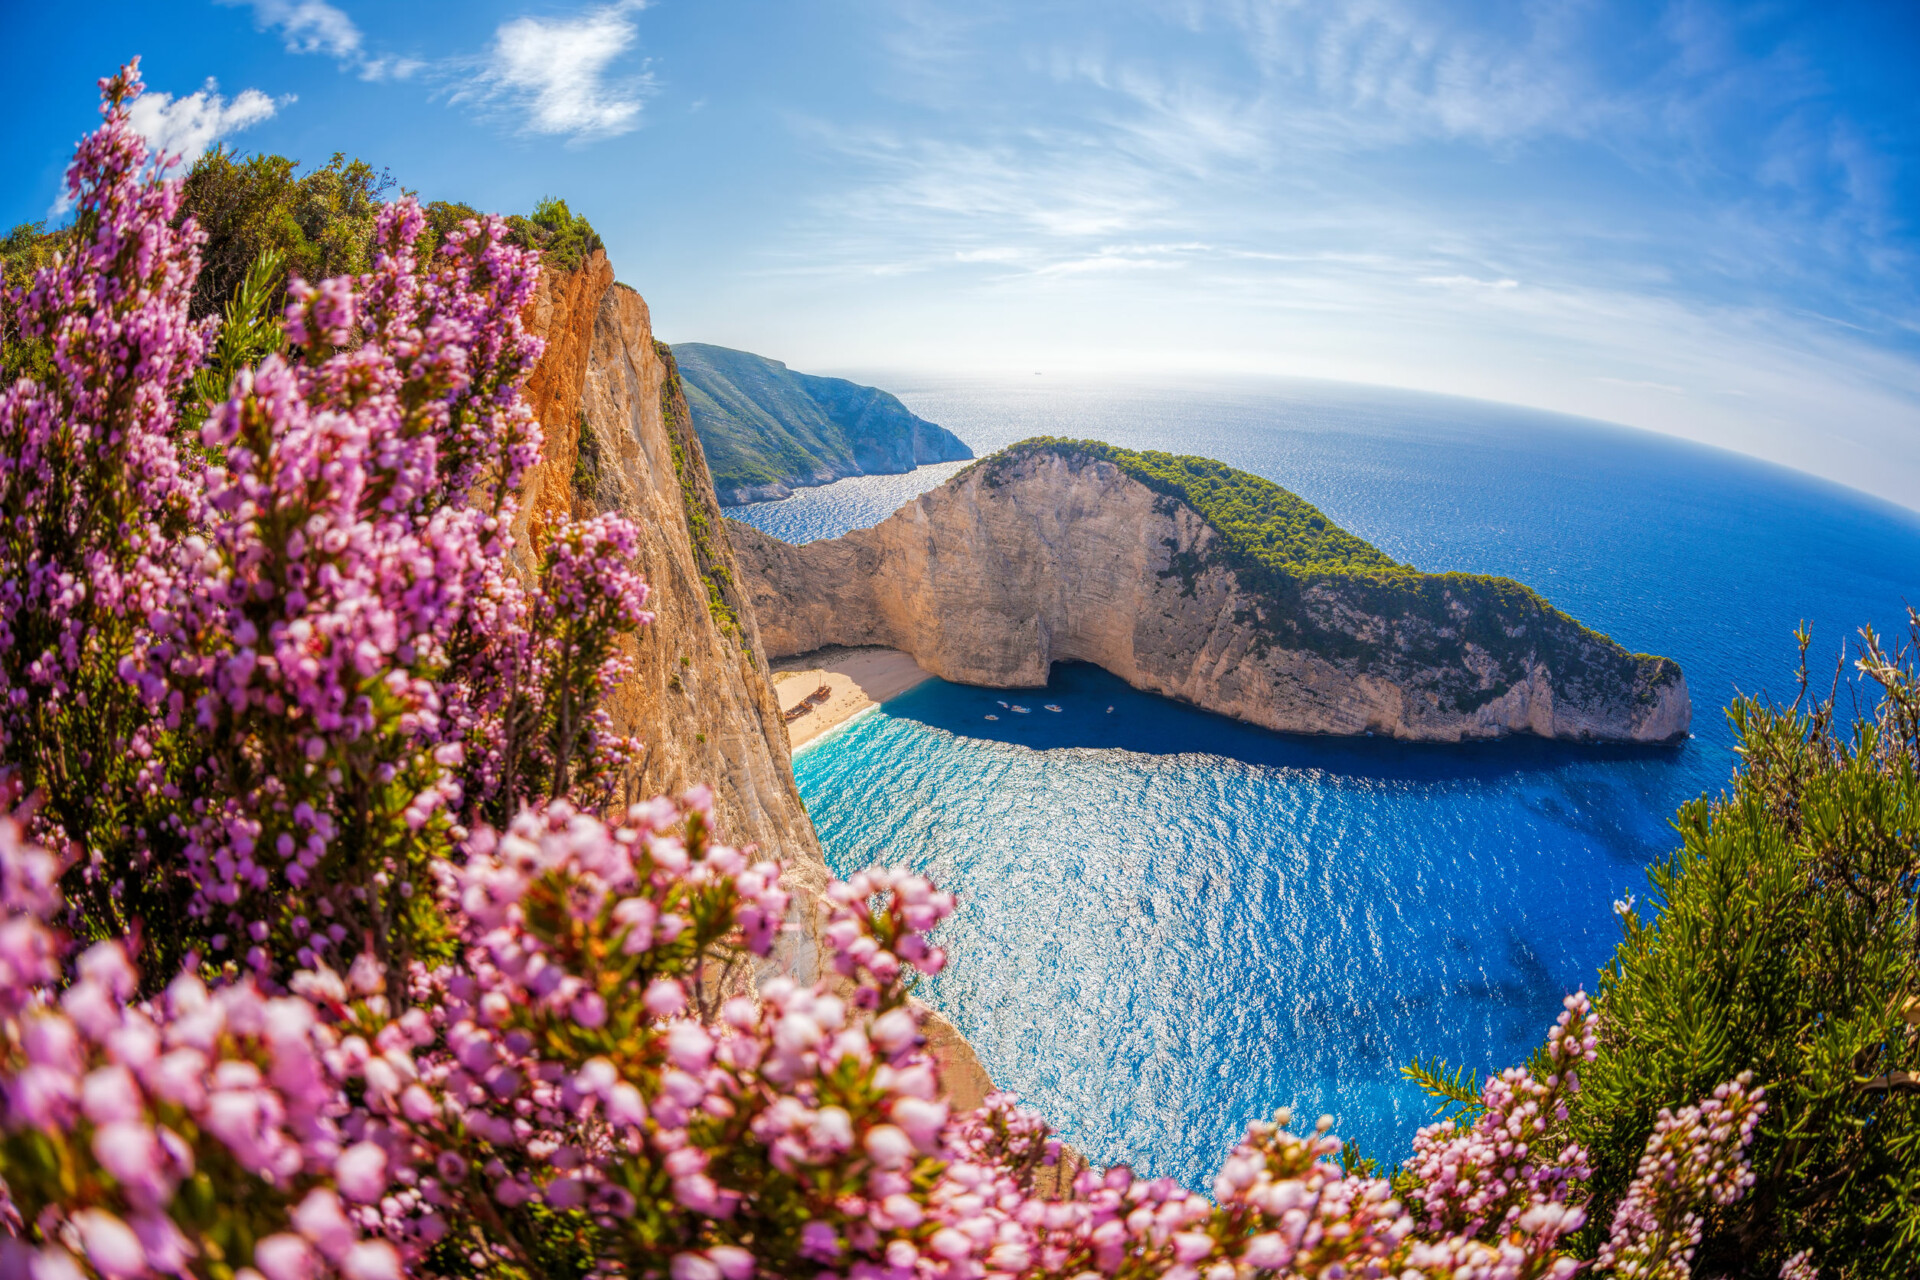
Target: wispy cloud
[316, 27]
[1472, 282]
[558, 74]
[182, 129]
[1555, 205]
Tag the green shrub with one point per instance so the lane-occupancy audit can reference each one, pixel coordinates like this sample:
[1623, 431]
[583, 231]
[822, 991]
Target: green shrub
[24, 250]
[1786, 944]
[321, 224]
[563, 238]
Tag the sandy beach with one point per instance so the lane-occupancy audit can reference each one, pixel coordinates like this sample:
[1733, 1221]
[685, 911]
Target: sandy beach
[854, 679]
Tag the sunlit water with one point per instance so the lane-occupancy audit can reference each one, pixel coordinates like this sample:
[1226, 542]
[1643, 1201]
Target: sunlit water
[1171, 923]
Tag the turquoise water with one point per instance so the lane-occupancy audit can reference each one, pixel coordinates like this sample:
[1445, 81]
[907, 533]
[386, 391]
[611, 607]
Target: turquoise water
[1171, 924]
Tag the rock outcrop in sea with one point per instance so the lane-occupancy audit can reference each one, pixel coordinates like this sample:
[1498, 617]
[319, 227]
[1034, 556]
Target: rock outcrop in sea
[768, 430]
[1189, 579]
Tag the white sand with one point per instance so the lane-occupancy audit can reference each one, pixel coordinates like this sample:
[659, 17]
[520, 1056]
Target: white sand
[857, 678]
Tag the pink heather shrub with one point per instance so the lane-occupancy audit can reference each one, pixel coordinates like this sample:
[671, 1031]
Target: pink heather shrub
[1694, 1158]
[325, 950]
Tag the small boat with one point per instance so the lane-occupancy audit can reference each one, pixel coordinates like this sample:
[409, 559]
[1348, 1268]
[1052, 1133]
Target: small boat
[1051, 707]
[1020, 711]
[1001, 701]
[1109, 710]
[993, 717]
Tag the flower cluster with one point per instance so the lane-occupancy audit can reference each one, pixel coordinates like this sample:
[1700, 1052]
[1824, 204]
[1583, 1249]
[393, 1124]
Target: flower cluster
[257, 662]
[325, 951]
[139, 1135]
[1494, 1195]
[1696, 1157]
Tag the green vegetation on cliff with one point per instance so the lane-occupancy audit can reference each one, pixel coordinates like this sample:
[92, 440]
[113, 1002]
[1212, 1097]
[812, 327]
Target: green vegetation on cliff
[314, 225]
[1782, 938]
[703, 525]
[1261, 521]
[766, 429]
[1306, 572]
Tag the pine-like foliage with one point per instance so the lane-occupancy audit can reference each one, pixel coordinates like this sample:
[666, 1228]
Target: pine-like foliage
[1785, 944]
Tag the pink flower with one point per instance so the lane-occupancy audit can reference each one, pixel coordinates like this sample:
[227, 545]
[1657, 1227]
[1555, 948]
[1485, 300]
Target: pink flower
[1266, 1252]
[110, 1245]
[625, 1106]
[1191, 1246]
[590, 1010]
[361, 1172]
[689, 1047]
[734, 1263]
[665, 998]
[950, 1244]
[319, 1218]
[819, 1241]
[285, 1257]
[921, 1121]
[693, 1266]
[893, 1031]
[168, 1251]
[371, 1260]
[889, 1146]
[110, 1094]
[130, 1151]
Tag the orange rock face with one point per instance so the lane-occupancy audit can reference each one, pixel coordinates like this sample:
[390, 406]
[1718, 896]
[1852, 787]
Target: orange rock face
[619, 438]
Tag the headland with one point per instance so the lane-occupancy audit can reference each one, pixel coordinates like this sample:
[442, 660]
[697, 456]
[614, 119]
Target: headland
[1191, 579]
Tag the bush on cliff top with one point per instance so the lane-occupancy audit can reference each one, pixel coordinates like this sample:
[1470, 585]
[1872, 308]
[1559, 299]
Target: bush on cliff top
[1786, 943]
[1257, 517]
[317, 224]
[373, 988]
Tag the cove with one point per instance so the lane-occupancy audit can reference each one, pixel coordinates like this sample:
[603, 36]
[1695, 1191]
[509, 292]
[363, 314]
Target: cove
[1172, 924]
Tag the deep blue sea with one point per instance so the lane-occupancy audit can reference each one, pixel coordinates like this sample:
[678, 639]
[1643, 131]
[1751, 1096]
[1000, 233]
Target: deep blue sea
[1172, 924]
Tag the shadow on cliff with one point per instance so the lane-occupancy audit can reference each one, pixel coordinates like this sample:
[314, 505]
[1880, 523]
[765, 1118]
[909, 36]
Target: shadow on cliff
[1099, 711]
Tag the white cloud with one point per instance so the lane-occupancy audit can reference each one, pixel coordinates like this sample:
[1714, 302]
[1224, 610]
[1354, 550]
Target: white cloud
[1472, 282]
[314, 26]
[185, 127]
[556, 73]
[307, 26]
[182, 129]
[389, 68]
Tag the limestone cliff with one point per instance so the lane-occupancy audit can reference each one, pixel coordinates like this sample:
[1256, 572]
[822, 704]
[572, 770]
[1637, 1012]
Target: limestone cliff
[1051, 552]
[618, 438]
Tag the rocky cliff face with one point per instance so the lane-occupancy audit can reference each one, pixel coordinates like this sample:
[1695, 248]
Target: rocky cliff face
[1031, 559]
[618, 438]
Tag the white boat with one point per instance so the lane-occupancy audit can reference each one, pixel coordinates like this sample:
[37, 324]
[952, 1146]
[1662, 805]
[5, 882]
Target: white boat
[1051, 707]
[1002, 703]
[1020, 711]
[993, 717]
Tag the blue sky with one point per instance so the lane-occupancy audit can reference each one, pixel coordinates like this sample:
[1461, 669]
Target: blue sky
[1694, 217]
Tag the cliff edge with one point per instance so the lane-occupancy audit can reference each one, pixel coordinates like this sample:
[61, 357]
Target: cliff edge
[619, 437]
[1188, 578]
